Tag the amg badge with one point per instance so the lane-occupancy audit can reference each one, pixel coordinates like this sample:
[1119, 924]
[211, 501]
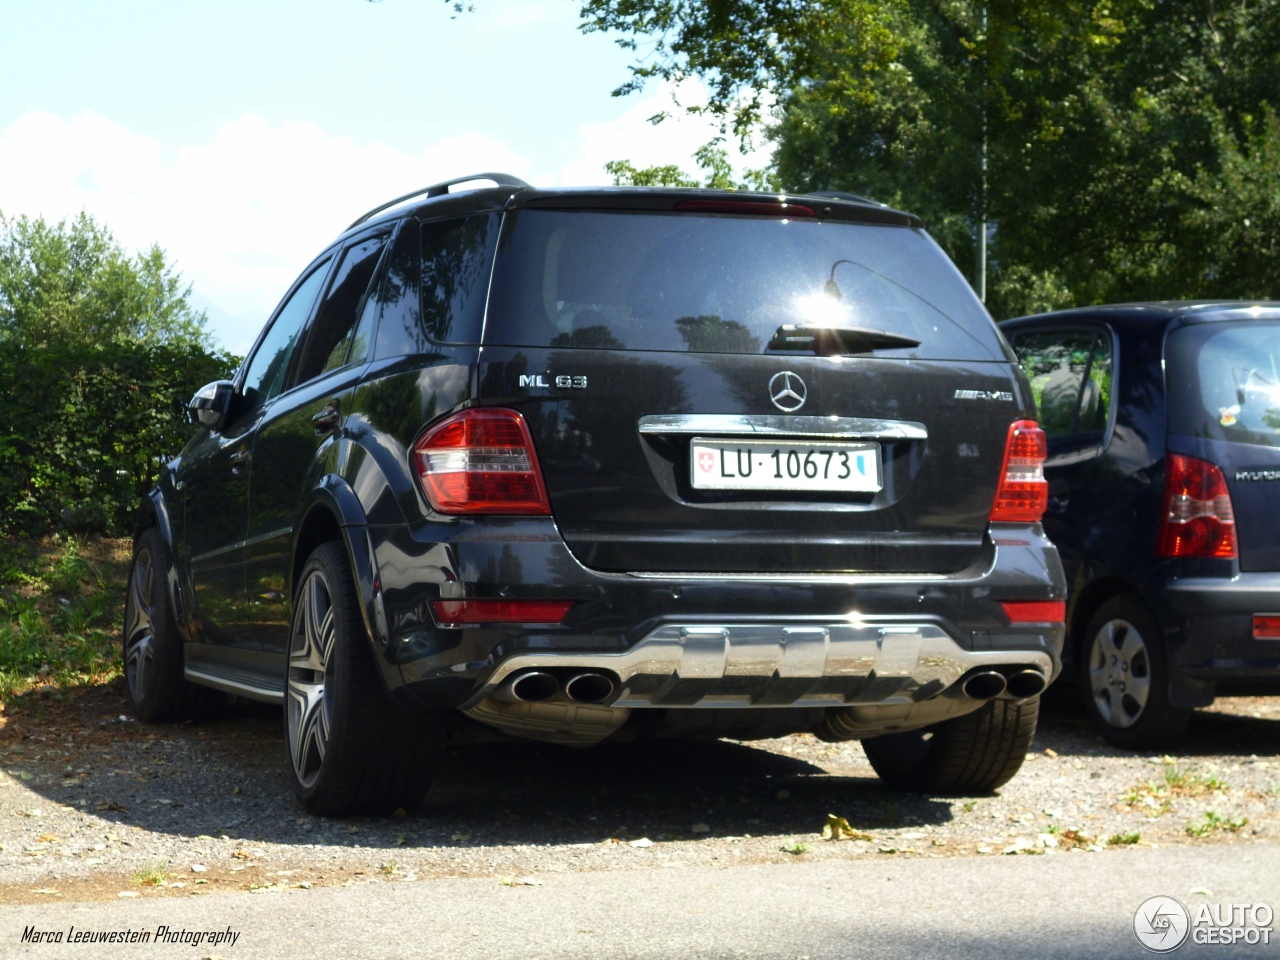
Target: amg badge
[564, 381]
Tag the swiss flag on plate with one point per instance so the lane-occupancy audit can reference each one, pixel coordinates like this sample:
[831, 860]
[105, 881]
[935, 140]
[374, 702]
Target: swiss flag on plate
[706, 461]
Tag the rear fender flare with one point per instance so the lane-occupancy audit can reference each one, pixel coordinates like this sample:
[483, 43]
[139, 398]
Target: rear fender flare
[334, 504]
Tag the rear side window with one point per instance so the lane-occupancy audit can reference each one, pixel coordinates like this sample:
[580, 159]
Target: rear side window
[720, 284]
[333, 330]
[1070, 373]
[1224, 381]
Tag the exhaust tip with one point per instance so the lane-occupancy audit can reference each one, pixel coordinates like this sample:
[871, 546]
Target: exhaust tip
[532, 687]
[1026, 683]
[984, 685]
[589, 688]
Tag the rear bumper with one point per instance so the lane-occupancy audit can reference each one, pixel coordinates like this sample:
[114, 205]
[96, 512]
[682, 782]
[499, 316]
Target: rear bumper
[787, 664]
[721, 641]
[1213, 638]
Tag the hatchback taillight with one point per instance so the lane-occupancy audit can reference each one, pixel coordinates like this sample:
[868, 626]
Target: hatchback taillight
[1023, 493]
[481, 461]
[1197, 520]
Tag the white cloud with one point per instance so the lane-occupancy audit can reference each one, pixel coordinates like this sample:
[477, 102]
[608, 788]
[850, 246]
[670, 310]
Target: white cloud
[240, 214]
[633, 137]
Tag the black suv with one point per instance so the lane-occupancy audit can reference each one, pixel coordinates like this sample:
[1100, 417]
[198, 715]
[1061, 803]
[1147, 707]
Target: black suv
[1163, 424]
[573, 465]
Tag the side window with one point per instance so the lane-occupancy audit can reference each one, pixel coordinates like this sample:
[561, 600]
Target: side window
[1070, 373]
[329, 342]
[266, 372]
[456, 259]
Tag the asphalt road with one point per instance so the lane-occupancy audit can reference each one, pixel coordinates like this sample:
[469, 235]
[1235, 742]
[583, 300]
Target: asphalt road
[1077, 906]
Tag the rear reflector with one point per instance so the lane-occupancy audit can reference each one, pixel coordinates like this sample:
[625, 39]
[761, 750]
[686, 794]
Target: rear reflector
[1198, 520]
[481, 461]
[1023, 493]
[466, 613]
[748, 208]
[1267, 627]
[1035, 611]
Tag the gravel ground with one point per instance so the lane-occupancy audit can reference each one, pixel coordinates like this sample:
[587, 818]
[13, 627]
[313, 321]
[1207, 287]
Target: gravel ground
[94, 805]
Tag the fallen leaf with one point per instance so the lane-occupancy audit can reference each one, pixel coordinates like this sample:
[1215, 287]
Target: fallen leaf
[1050, 752]
[1203, 891]
[838, 828]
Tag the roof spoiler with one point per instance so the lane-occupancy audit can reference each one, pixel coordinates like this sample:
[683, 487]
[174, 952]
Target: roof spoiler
[440, 189]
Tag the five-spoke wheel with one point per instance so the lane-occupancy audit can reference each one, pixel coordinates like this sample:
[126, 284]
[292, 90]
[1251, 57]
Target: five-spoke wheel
[350, 749]
[1125, 677]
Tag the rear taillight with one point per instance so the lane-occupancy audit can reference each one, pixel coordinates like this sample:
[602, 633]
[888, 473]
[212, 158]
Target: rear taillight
[1197, 520]
[1035, 611]
[469, 613]
[1023, 493]
[1266, 627]
[481, 461]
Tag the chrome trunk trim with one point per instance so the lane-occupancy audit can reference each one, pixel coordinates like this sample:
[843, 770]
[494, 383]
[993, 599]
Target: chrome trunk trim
[831, 428]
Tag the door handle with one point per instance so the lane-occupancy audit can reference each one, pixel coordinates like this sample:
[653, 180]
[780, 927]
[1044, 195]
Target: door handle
[328, 418]
[240, 459]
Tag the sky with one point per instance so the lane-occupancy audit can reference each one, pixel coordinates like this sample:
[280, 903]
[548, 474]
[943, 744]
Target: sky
[242, 137]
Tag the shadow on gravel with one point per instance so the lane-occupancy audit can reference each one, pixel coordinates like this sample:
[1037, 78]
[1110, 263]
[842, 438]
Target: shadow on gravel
[1066, 729]
[226, 777]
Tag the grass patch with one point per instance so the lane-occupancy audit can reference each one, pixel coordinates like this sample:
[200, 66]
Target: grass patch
[1213, 823]
[150, 876]
[1158, 795]
[1123, 839]
[61, 602]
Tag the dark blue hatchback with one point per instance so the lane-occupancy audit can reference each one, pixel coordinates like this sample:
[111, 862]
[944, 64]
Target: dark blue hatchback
[1163, 428]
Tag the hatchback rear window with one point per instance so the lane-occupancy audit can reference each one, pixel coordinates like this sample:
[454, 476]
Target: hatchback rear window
[1224, 381]
[724, 284]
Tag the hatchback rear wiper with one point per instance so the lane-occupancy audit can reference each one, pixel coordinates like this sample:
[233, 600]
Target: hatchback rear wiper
[832, 341]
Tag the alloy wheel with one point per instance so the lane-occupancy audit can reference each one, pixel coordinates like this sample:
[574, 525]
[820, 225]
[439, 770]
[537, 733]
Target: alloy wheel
[309, 703]
[1119, 673]
[139, 638]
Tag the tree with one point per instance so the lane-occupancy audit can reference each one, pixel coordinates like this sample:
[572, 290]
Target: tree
[1115, 149]
[73, 284]
[100, 352]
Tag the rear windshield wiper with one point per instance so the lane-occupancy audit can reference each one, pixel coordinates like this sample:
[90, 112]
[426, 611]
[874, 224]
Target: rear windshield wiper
[831, 341]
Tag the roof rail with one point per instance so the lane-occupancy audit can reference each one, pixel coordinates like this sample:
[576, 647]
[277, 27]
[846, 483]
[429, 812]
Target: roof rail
[440, 189]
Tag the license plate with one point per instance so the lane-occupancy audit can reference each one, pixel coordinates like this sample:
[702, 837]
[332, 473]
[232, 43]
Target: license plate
[794, 465]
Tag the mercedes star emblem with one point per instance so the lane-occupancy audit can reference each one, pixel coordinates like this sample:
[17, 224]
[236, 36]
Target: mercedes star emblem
[787, 391]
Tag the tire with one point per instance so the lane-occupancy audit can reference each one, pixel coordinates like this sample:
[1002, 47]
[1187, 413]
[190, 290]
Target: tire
[1124, 675]
[349, 748]
[974, 754]
[152, 647]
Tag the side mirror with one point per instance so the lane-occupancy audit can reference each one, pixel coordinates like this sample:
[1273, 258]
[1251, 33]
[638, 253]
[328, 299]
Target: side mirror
[210, 404]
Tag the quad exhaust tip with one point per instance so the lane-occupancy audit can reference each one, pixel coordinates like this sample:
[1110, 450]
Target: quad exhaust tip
[538, 687]
[1025, 683]
[531, 687]
[589, 688]
[984, 685]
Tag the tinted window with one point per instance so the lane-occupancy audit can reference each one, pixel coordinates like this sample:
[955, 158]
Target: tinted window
[270, 363]
[331, 334]
[456, 260]
[725, 284]
[1224, 382]
[1070, 374]
[400, 332]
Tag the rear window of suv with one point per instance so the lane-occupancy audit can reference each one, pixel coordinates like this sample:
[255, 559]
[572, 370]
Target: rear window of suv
[1224, 381]
[725, 284]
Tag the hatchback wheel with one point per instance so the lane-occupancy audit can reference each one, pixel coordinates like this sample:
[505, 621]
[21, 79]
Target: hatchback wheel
[973, 754]
[350, 749]
[152, 646]
[1126, 678]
